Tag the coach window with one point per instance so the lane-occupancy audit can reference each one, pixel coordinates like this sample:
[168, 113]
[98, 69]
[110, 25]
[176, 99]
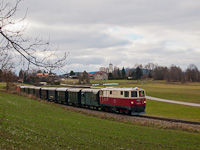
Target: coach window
[126, 94]
[121, 92]
[133, 93]
[110, 92]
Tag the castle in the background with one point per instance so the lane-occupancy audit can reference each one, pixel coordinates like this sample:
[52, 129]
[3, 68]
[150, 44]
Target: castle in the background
[107, 69]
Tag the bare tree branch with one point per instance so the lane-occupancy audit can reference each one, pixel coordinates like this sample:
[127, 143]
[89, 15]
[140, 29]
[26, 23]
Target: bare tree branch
[12, 40]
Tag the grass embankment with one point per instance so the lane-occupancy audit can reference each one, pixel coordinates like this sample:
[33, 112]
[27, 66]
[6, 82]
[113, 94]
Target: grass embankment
[30, 124]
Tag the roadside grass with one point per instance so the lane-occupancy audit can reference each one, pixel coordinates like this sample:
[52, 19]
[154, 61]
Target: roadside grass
[167, 110]
[31, 124]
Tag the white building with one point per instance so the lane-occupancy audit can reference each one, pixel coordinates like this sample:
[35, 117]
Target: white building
[107, 69]
[110, 68]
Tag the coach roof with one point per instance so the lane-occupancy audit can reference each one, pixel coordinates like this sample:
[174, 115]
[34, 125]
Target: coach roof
[62, 89]
[73, 90]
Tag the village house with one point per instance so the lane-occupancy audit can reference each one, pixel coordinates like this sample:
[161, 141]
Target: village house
[100, 76]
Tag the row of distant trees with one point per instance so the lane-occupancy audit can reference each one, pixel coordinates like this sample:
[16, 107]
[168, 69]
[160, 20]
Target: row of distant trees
[176, 74]
[171, 74]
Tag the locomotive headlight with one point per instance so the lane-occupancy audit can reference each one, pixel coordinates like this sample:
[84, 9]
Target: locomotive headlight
[144, 102]
[132, 102]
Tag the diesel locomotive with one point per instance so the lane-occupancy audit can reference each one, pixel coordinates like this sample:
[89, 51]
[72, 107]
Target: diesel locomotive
[122, 100]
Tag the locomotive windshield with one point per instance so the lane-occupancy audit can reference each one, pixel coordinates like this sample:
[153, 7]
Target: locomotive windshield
[133, 93]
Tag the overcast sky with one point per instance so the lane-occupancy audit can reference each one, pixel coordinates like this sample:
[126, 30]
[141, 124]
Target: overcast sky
[121, 32]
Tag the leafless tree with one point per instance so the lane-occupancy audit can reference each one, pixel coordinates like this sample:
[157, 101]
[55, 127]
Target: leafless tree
[150, 66]
[174, 74]
[13, 41]
[6, 67]
[159, 72]
[84, 78]
[192, 73]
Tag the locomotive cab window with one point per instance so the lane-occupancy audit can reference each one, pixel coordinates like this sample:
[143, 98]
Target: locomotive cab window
[141, 94]
[126, 93]
[133, 93]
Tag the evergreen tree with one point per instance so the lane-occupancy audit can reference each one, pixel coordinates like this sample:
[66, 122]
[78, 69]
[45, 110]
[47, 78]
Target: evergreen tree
[123, 72]
[118, 73]
[139, 73]
[72, 73]
[133, 74]
[110, 76]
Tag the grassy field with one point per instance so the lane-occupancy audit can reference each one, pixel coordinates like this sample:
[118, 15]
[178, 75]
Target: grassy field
[167, 110]
[30, 124]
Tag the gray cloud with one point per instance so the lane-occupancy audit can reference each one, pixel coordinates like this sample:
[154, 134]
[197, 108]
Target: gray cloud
[124, 33]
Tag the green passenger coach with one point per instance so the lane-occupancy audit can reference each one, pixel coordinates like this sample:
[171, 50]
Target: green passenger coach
[90, 98]
[74, 96]
[62, 95]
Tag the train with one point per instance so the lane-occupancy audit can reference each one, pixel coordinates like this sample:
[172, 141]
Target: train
[131, 101]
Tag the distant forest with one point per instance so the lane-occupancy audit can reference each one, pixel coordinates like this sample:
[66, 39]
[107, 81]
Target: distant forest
[170, 74]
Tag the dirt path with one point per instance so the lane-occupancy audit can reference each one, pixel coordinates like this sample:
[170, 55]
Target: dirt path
[172, 101]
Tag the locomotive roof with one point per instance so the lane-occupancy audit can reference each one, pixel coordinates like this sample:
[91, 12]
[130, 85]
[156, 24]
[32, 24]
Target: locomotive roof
[122, 89]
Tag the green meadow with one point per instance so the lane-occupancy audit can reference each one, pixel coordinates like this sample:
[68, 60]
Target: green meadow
[175, 111]
[31, 124]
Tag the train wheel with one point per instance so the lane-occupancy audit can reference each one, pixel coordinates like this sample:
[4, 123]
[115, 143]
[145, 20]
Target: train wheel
[127, 112]
[121, 111]
[106, 109]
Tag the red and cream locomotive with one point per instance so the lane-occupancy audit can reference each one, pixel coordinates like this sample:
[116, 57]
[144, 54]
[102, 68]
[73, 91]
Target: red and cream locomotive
[124, 100]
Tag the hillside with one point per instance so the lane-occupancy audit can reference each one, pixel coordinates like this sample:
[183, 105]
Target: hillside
[33, 124]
